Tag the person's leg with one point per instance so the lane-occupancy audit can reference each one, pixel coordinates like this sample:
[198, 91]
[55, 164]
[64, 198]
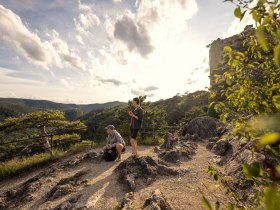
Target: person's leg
[132, 146]
[119, 148]
[134, 143]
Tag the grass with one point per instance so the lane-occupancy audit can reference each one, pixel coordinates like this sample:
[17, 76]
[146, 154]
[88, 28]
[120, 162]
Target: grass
[16, 165]
[151, 141]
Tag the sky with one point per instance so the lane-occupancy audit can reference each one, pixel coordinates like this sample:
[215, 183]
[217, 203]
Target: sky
[96, 51]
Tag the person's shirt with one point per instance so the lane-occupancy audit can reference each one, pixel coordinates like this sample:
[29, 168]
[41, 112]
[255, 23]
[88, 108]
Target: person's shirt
[115, 138]
[137, 123]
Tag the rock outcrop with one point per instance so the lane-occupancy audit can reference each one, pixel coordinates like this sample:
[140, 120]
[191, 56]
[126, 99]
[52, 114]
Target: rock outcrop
[157, 201]
[173, 150]
[202, 128]
[13, 198]
[143, 171]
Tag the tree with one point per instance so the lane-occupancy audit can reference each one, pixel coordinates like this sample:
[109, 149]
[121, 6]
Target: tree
[36, 126]
[250, 89]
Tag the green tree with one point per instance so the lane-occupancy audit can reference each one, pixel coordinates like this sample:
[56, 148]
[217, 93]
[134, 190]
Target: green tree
[250, 89]
[35, 128]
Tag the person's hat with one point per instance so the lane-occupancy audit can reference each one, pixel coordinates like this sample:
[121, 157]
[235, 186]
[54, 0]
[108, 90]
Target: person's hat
[110, 126]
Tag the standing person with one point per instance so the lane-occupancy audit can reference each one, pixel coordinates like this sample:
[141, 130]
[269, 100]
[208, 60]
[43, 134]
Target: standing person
[136, 118]
[115, 145]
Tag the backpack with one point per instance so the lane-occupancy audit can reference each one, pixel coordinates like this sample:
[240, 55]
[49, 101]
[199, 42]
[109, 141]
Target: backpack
[110, 156]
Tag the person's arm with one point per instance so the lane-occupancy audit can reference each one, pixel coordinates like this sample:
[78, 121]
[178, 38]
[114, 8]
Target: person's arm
[138, 115]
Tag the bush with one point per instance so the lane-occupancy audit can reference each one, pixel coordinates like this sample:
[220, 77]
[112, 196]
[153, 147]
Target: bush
[150, 141]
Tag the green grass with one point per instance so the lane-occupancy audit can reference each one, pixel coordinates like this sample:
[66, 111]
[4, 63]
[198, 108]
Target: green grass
[150, 141]
[14, 166]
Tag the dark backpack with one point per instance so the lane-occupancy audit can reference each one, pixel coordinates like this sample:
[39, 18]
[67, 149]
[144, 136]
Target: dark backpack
[110, 156]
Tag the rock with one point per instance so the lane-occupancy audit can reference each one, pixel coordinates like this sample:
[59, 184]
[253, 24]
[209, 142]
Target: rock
[169, 141]
[157, 202]
[221, 147]
[201, 127]
[156, 149]
[24, 192]
[175, 152]
[66, 185]
[127, 201]
[64, 206]
[59, 191]
[210, 145]
[142, 171]
[68, 204]
[170, 156]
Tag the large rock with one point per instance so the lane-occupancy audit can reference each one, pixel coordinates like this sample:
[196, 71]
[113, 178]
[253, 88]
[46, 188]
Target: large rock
[173, 150]
[66, 186]
[127, 201]
[13, 198]
[221, 147]
[92, 156]
[202, 128]
[68, 204]
[157, 202]
[142, 171]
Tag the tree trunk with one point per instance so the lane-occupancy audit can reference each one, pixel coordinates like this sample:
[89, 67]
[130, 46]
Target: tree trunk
[45, 140]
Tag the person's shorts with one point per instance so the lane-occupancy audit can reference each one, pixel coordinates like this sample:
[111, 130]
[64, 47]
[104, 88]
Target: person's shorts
[133, 133]
[115, 149]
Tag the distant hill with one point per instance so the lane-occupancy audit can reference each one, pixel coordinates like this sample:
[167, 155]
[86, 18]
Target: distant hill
[14, 107]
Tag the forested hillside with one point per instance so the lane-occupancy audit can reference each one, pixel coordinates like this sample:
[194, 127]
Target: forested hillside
[14, 107]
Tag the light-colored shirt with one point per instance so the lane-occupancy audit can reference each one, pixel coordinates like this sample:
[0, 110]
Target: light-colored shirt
[115, 138]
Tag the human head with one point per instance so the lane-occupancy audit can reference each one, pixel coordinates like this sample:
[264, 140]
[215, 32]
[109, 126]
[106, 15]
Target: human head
[135, 101]
[110, 129]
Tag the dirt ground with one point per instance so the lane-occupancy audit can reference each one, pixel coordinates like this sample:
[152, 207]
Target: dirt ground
[103, 191]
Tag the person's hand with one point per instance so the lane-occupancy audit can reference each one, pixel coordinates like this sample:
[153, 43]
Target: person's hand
[130, 113]
[109, 146]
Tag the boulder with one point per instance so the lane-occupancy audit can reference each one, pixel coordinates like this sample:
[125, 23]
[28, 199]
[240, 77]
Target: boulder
[127, 201]
[66, 186]
[221, 147]
[202, 128]
[143, 171]
[24, 192]
[68, 204]
[173, 150]
[157, 202]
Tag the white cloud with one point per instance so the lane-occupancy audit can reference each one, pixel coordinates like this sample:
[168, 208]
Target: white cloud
[117, 1]
[79, 38]
[54, 52]
[238, 26]
[25, 42]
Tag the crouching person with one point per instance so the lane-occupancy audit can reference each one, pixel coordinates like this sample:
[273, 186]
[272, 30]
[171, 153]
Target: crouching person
[115, 145]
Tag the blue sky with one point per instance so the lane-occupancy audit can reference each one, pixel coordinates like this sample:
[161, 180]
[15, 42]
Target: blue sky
[97, 51]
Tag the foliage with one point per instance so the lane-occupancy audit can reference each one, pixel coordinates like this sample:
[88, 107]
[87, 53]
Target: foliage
[34, 129]
[248, 93]
[154, 122]
[16, 165]
[177, 106]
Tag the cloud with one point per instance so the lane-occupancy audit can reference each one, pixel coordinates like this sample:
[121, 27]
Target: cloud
[150, 88]
[191, 81]
[79, 39]
[7, 77]
[53, 52]
[147, 91]
[134, 35]
[27, 43]
[110, 81]
[63, 53]
[238, 26]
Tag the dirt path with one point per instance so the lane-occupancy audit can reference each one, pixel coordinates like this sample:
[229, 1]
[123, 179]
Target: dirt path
[100, 188]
